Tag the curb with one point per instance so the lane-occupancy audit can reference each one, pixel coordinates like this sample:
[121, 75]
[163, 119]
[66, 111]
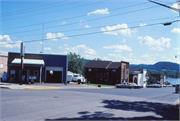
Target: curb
[6, 87]
[33, 88]
[176, 103]
[30, 88]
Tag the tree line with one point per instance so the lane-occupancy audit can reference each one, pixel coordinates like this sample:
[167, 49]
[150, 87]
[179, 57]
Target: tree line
[76, 64]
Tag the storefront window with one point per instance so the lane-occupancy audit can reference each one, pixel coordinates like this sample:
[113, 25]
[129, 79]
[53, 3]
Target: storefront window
[89, 69]
[113, 71]
[2, 65]
[36, 73]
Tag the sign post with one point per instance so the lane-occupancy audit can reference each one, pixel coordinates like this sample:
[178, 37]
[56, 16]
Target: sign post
[22, 52]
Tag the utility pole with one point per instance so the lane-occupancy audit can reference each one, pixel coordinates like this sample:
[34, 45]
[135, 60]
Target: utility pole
[22, 53]
[175, 9]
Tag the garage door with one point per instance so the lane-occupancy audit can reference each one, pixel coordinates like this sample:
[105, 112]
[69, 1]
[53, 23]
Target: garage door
[54, 74]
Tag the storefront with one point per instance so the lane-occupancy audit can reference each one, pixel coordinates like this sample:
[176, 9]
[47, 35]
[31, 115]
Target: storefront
[46, 67]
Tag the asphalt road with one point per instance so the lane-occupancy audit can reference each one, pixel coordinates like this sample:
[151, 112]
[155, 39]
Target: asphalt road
[77, 102]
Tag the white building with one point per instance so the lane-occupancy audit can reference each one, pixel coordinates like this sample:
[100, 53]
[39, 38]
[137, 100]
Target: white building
[142, 77]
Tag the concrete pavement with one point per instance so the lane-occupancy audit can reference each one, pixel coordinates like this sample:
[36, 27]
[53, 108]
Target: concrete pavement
[26, 86]
[72, 85]
[85, 103]
[46, 86]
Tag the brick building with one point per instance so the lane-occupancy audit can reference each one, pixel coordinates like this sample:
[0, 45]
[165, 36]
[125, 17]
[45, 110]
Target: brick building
[107, 72]
[3, 62]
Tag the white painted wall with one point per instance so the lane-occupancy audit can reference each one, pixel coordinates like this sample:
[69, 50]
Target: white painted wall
[142, 78]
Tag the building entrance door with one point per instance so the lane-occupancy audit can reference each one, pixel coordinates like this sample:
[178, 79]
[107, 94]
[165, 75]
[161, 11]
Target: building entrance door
[53, 76]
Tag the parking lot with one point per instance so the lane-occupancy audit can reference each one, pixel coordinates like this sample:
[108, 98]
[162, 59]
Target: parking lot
[81, 102]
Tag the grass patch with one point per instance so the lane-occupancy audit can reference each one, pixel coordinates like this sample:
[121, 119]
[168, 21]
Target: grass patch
[102, 85]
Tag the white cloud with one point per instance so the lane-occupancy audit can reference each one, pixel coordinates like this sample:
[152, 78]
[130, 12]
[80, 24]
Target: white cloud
[61, 53]
[41, 43]
[64, 53]
[149, 41]
[142, 24]
[114, 29]
[65, 45]
[87, 26]
[64, 22]
[47, 48]
[146, 56]
[157, 48]
[85, 51]
[131, 55]
[176, 5]
[60, 47]
[5, 42]
[176, 30]
[81, 21]
[99, 11]
[150, 55]
[124, 40]
[118, 48]
[119, 57]
[176, 48]
[54, 36]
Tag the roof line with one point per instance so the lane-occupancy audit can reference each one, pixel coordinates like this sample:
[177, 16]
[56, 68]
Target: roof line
[108, 65]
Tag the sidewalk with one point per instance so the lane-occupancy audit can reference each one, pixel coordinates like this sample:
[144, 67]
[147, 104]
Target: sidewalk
[26, 86]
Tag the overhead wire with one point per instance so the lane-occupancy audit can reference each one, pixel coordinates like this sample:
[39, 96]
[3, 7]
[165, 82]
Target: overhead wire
[88, 20]
[72, 17]
[100, 26]
[24, 10]
[52, 11]
[92, 33]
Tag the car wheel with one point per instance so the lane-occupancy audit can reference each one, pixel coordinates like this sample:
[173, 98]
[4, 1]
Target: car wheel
[79, 81]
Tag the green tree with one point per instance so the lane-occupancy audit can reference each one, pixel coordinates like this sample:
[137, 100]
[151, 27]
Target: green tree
[97, 59]
[151, 80]
[75, 63]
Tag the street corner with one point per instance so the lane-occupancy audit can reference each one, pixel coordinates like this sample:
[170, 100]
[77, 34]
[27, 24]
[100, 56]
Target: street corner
[176, 103]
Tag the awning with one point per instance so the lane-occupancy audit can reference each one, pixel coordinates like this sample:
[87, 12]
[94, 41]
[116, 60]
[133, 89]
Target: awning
[28, 61]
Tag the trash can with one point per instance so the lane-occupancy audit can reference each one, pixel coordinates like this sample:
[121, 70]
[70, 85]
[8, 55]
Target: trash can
[177, 88]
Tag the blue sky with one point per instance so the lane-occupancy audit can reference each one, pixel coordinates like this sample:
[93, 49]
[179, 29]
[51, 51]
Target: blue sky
[87, 27]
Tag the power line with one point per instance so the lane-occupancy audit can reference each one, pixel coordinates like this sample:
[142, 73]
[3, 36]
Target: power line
[28, 8]
[102, 26]
[75, 16]
[90, 33]
[86, 20]
[51, 11]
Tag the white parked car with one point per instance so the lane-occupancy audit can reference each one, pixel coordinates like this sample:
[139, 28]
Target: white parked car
[123, 85]
[169, 86]
[136, 86]
[154, 86]
[73, 77]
